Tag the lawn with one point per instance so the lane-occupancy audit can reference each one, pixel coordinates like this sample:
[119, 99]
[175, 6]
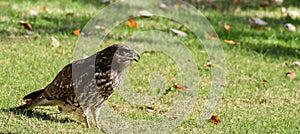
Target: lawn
[258, 97]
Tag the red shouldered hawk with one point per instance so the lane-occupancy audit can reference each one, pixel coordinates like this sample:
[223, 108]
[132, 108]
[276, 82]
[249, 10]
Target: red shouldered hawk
[84, 85]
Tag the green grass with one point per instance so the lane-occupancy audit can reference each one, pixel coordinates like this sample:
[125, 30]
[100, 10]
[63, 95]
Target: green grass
[30, 62]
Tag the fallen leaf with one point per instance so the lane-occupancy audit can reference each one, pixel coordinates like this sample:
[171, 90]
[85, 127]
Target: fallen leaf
[131, 23]
[128, 24]
[290, 27]
[214, 119]
[210, 65]
[179, 33]
[76, 32]
[100, 27]
[231, 42]
[181, 88]
[211, 36]
[227, 27]
[145, 13]
[26, 25]
[134, 24]
[291, 74]
[257, 21]
[55, 42]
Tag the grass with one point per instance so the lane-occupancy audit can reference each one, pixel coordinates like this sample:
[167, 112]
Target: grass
[29, 62]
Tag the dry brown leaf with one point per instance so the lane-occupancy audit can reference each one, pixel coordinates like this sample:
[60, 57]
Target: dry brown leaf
[181, 88]
[131, 23]
[76, 32]
[231, 42]
[128, 24]
[26, 25]
[214, 119]
[212, 65]
[227, 27]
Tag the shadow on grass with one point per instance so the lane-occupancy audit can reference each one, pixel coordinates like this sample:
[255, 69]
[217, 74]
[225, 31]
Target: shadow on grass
[36, 114]
[67, 24]
[229, 5]
[273, 40]
[273, 50]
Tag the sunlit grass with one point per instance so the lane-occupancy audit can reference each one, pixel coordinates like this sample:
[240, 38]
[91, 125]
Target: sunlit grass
[29, 62]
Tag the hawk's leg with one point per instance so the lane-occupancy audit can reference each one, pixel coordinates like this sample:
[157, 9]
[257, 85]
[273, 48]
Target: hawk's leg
[82, 115]
[95, 113]
[86, 122]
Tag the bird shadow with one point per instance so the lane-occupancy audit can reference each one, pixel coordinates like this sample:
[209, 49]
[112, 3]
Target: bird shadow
[36, 114]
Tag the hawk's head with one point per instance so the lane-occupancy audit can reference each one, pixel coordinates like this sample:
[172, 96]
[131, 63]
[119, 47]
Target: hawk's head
[117, 57]
[123, 56]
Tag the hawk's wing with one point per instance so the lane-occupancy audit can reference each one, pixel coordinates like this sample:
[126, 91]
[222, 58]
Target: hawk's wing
[69, 79]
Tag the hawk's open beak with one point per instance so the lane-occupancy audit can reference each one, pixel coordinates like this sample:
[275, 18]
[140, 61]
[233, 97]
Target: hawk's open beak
[137, 57]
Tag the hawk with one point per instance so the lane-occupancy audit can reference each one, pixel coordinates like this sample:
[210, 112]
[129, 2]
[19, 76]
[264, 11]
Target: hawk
[83, 85]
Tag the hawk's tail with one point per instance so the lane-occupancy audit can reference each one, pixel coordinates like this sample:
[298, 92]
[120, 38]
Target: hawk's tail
[34, 95]
[33, 99]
